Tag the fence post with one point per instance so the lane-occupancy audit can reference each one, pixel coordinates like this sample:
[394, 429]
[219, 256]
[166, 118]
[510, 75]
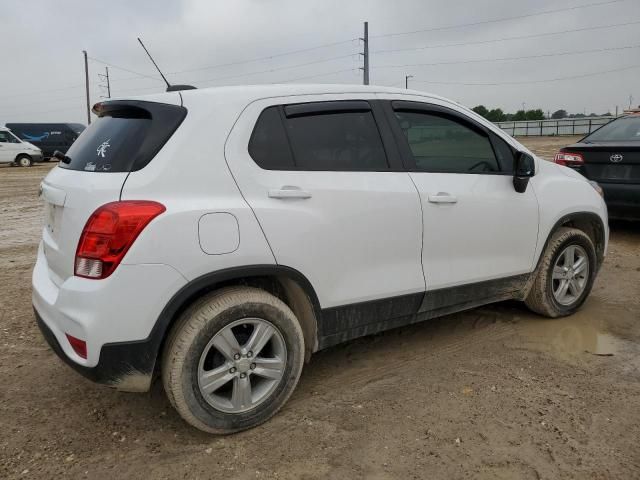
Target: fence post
[589, 125]
[573, 127]
[558, 127]
[540, 127]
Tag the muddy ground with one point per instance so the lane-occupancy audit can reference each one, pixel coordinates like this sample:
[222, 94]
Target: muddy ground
[496, 392]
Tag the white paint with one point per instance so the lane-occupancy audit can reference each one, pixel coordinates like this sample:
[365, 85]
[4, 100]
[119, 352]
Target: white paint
[218, 233]
[355, 235]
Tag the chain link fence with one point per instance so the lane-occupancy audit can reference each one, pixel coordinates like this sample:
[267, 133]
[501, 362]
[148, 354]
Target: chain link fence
[565, 126]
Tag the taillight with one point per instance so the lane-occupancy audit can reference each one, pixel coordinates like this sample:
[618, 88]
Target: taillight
[569, 159]
[109, 233]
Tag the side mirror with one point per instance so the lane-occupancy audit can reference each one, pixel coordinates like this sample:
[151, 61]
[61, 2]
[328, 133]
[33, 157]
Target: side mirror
[525, 168]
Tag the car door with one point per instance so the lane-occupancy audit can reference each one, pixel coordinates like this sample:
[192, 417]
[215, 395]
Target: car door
[332, 198]
[476, 226]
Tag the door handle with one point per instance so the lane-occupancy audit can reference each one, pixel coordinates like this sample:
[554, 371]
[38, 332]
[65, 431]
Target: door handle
[442, 197]
[289, 192]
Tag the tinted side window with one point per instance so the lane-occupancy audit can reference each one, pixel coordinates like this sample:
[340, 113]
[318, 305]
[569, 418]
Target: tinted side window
[504, 153]
[441, 144]
[338, 141]
[268, 146]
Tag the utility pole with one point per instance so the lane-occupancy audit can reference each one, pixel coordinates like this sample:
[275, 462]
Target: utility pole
[86, 83]
[616, 111]
[105, 78]
[406, 81]
[630, 101]
[365, 55]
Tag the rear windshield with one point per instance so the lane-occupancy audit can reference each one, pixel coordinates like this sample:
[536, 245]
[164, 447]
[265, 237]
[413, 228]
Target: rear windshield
[125, 137]
[625, 129]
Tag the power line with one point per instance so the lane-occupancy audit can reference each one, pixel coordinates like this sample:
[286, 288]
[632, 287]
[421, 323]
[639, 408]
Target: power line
[269, 57]
[544, 55]
[504, 39]
[125, 69]
[526, 82]
[270, 70]
[319, 75]
[495, 20]
[44, 91]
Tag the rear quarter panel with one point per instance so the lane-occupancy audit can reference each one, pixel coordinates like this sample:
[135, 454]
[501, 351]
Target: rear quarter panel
[190, 177]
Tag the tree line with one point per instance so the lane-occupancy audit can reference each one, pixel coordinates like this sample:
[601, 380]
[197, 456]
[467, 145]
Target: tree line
[498, 115]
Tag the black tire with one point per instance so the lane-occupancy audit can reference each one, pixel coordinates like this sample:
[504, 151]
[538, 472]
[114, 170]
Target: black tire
[193, 332]
[24, 161]
[540, 298]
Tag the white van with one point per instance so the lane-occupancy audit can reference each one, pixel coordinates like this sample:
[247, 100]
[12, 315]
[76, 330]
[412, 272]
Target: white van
[15, 151]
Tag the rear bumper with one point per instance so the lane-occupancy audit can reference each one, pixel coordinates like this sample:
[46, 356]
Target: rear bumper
[114, 316]
[126, 366]
[623, 200]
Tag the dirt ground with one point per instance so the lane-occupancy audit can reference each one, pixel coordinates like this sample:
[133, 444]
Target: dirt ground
[494, 393]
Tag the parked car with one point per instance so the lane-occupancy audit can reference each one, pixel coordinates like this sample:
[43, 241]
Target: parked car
[611, 157]
[48, 136]
[16, 152]
[219, 237]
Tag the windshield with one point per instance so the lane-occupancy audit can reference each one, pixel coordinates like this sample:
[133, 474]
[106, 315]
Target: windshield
[6, 136]
[625, 129]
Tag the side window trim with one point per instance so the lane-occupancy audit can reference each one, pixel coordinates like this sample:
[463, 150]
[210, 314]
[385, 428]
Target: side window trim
[293, 110]
[391, 106]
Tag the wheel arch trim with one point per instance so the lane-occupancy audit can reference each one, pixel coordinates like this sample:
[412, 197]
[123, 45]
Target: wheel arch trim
[593, 218]
[207, 282]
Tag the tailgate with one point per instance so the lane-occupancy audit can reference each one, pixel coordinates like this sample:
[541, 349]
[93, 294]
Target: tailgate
[125, 138]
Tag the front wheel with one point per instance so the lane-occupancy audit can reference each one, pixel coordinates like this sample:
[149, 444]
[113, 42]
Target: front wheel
[233, 359]
[565, 276]
[24, 161]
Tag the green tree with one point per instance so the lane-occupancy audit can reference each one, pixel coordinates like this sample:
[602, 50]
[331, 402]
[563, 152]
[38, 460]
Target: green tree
[481, 110]
[519, 116]
[496, 115]
[559, 114]
[536, 114]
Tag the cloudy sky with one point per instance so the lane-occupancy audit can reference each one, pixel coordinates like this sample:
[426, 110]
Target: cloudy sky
[581, 55]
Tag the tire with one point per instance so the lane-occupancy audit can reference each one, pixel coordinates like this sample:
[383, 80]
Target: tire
[541, 298]
[24, 161]
[194, 334]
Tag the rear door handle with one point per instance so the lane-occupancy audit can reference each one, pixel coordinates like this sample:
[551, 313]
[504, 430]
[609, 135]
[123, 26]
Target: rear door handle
[442, 197]
[289, 192]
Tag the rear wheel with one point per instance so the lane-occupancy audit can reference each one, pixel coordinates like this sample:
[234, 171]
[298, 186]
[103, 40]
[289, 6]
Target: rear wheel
[565, 275]
[233, 359]
[24, 161]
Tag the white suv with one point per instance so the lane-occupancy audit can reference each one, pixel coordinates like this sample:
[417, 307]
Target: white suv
[219, 237]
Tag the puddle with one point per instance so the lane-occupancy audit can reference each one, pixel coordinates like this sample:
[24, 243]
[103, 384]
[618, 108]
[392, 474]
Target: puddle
[583, 333]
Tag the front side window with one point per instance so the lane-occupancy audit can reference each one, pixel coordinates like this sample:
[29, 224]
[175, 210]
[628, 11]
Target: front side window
[6, 137]
[336, 141]
[441, 144]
